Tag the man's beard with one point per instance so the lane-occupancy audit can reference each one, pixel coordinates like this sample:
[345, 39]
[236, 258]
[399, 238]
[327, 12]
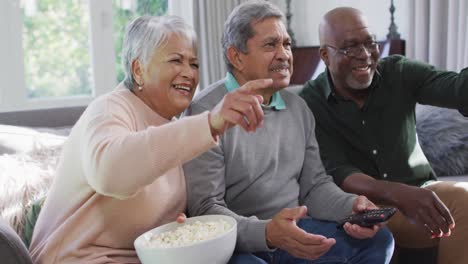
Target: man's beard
[357, 85]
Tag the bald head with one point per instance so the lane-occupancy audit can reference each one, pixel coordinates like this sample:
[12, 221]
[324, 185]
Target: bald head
[338, 22]
[344, 36]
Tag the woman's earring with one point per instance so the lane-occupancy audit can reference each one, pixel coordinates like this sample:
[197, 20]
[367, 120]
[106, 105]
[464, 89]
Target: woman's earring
[140, 87]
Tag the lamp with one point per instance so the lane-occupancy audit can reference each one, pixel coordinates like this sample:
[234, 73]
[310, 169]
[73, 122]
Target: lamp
[288, 22]
[393, 33]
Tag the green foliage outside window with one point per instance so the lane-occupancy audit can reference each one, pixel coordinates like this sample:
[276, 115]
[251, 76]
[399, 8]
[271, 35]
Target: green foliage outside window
[124, 16]
[56, 49]
[56, 43]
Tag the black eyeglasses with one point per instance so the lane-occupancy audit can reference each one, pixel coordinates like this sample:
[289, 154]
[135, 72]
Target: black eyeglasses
[355, 51]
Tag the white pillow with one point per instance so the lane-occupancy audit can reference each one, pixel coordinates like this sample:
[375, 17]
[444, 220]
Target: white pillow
[28, 159]
[15, 139]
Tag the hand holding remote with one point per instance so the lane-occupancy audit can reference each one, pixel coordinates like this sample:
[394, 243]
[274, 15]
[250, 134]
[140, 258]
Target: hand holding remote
[369, 218]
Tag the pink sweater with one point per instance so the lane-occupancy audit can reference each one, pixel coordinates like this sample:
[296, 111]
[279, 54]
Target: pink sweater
[119, 175]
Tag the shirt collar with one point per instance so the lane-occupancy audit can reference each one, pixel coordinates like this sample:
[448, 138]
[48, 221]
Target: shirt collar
[276, 102]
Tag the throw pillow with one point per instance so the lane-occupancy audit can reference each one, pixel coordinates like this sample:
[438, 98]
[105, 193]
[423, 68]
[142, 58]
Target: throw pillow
[443, 135]
[27, 167]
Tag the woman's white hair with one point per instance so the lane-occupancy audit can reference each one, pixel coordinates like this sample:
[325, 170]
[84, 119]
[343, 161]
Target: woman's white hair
[145, 34]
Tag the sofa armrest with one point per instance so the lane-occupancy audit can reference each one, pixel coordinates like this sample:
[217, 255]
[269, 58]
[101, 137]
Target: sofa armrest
[12, 249]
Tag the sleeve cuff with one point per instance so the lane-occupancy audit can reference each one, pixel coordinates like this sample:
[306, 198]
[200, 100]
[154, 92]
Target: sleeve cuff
[214, 140]
[255, 240]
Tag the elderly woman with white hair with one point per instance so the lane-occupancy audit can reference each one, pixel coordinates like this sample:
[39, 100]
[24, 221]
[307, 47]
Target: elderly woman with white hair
[120, 171]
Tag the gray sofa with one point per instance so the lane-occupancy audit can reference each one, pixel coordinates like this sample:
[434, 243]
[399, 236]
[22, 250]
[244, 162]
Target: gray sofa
[30, 143]
[443, 135]
[12, 249]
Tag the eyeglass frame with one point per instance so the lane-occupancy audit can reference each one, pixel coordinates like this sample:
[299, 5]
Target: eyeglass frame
[366, 46]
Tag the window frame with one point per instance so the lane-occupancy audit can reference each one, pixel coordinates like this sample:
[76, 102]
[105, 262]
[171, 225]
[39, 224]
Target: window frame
[13, 91]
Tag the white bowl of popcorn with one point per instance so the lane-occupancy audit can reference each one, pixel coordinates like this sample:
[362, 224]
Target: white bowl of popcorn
[201, 239]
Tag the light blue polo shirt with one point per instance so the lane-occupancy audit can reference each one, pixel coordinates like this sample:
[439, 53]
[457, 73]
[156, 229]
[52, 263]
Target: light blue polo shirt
[276, 102]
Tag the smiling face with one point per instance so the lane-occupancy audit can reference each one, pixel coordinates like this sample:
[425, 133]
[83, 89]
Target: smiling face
[268, 54]
[170, 77]
[349, 73]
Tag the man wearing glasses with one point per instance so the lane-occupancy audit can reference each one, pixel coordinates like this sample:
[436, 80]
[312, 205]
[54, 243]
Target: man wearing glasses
[365, 114]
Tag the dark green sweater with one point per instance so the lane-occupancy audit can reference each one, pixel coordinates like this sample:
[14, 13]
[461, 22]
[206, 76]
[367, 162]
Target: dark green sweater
[380, 138]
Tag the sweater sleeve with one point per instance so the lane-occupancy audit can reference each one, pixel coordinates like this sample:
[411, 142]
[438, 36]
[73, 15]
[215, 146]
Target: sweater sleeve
[206, 189]
[205, 192]
[324, 199]
[118, 161]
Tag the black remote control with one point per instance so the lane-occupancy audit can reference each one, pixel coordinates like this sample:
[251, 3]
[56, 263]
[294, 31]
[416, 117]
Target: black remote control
[369, 218]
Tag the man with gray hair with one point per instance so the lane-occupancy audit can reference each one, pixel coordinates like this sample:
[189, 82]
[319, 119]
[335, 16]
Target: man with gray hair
[272, 181]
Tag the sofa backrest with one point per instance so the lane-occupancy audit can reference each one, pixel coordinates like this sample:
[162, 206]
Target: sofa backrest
[54, 117]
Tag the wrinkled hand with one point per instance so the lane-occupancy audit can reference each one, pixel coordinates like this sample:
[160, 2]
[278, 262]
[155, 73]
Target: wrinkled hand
[240, 107]
[423, 207]
[282, 232]
[181, 217]
[362, 204]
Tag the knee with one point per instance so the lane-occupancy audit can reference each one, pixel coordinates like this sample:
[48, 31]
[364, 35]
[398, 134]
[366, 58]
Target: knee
[379, 249]
[455, 197]
[384, 240]
[245, 258]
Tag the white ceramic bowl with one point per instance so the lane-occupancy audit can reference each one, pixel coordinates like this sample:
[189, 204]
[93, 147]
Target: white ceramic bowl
[217, 250]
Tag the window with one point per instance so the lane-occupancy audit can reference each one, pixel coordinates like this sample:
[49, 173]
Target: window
[56, 48]
[58, 53]
[124, 12]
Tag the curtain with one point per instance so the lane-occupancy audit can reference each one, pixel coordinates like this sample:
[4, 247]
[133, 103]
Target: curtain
[438, 33]
[207, 18]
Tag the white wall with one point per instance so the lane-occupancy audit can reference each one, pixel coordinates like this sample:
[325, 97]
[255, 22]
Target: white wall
[306, 16]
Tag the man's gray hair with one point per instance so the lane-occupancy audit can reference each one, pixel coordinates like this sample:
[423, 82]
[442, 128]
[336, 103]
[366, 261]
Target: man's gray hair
[145, 34]
[238, 27]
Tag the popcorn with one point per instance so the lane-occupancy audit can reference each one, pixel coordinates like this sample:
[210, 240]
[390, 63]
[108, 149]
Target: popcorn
[187, 234]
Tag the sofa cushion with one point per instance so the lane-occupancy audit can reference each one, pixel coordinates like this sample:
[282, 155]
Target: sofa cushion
[443, 135]
[458, 178]
[28, 158]
[16, 139]
[12, 249]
